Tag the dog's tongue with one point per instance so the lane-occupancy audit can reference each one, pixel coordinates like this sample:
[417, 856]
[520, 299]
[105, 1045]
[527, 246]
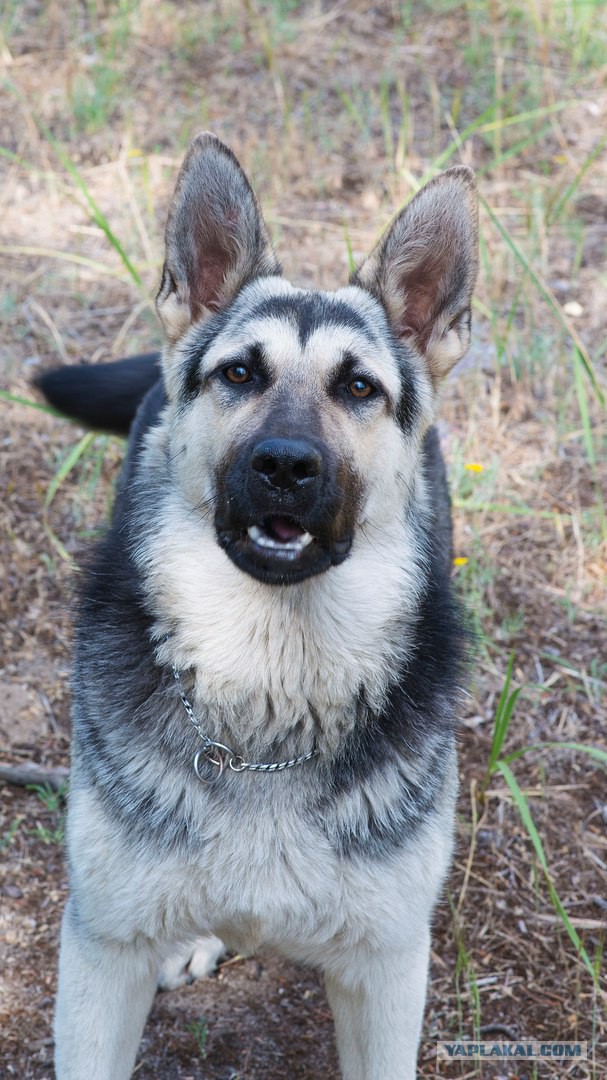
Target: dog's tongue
[283, 529]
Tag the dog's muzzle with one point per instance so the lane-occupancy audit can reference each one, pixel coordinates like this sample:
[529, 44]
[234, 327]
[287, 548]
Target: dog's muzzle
[282, 516]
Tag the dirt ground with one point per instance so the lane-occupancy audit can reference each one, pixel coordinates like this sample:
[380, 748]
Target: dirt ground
[334, 109]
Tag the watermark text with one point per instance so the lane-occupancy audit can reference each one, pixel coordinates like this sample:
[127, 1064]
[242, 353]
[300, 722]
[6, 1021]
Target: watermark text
[526, 1048]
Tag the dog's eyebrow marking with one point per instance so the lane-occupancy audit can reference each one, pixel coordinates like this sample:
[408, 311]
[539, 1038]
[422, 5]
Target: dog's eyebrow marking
[350, 367]
[252, 356]
[407, 408]
[208, 331]
[314, 311]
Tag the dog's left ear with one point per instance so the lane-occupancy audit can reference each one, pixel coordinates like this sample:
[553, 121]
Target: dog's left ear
[424, 268]
[216, 238]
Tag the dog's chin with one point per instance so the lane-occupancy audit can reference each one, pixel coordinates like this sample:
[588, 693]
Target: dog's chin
[280, 551]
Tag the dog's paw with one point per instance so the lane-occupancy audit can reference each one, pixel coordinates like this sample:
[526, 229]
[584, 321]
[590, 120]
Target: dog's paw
[190, 963]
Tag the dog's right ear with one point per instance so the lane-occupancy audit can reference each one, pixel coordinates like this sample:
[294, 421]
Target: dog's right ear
[423, 270]
[216, 238]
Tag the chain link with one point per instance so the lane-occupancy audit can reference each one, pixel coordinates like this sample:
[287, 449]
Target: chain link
[219, 755]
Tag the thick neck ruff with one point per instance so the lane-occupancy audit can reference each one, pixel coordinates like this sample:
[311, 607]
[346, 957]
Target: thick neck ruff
[213, 757]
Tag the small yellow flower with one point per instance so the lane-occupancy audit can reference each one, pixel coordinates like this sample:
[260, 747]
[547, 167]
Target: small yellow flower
[460, 561]
[473, 466]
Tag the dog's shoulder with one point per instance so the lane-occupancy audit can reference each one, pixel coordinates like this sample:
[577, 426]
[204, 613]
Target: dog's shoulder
[113, 618]
[148, 416]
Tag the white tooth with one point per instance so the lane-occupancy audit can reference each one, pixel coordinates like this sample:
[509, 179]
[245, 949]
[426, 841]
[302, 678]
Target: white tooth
[261, 538]
[298, 543]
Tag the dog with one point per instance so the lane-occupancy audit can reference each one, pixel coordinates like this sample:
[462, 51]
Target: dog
[268, 651]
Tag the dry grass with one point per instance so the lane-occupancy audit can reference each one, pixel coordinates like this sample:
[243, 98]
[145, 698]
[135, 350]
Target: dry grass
[336, 110]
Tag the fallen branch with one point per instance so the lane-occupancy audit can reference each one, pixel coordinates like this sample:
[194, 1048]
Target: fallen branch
[54, 777]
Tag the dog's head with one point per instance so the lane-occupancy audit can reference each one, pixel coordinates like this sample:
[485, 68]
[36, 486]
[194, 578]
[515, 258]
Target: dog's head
[297, 415]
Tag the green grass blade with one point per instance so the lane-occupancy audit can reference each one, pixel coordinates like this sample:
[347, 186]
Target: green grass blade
[582, 400]
[504, 720]
[482, 124]
[525, 814]
[592, 751]
[524, 117]
[550, 298]
[513, 151]
[65, 256]
[477, 125]
[503, 714]
[67, 465]
[349, 250]
[21, 161]
[474, 507]
[5, 396]
[561, 203]
[57, 544]
[446, 154]
[97, 214]
[351, 109]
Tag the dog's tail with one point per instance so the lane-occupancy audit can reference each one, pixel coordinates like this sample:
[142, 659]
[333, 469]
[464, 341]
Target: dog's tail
[104, 397]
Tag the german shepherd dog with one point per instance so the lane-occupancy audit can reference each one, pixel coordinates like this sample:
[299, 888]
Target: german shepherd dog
[268, 651]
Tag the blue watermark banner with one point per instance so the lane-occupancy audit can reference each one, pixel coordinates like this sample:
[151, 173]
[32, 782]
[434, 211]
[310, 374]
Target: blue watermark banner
[526, 1048]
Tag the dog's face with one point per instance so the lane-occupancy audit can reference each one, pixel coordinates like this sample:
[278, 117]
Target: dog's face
[295, 425]
[298, 415]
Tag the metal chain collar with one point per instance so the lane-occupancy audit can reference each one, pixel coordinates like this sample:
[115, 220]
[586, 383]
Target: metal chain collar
[219, 755]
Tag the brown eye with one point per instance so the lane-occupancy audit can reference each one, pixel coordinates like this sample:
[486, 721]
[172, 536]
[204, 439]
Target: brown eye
[237, 373]
[360, 388]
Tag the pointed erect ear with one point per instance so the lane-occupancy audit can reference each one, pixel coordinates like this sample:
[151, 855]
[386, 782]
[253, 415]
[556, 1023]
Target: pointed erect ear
[216, 238]
[423, 270]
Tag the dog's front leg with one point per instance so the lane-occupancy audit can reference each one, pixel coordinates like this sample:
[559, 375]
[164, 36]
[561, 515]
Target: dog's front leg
[105, 993]
[378, 1003]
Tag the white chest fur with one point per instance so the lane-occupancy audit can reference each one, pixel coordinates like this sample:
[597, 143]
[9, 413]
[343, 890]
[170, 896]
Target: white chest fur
[269, 659]
[267, 878]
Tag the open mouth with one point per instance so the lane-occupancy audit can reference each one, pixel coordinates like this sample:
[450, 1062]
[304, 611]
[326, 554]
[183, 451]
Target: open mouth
[278, 550]
[282, 536]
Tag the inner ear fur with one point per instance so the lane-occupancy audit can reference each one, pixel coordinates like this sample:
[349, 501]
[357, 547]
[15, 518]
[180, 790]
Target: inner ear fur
[216, 238]
[424, 269]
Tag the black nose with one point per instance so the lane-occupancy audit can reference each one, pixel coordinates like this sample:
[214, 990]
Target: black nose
[286, 463]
